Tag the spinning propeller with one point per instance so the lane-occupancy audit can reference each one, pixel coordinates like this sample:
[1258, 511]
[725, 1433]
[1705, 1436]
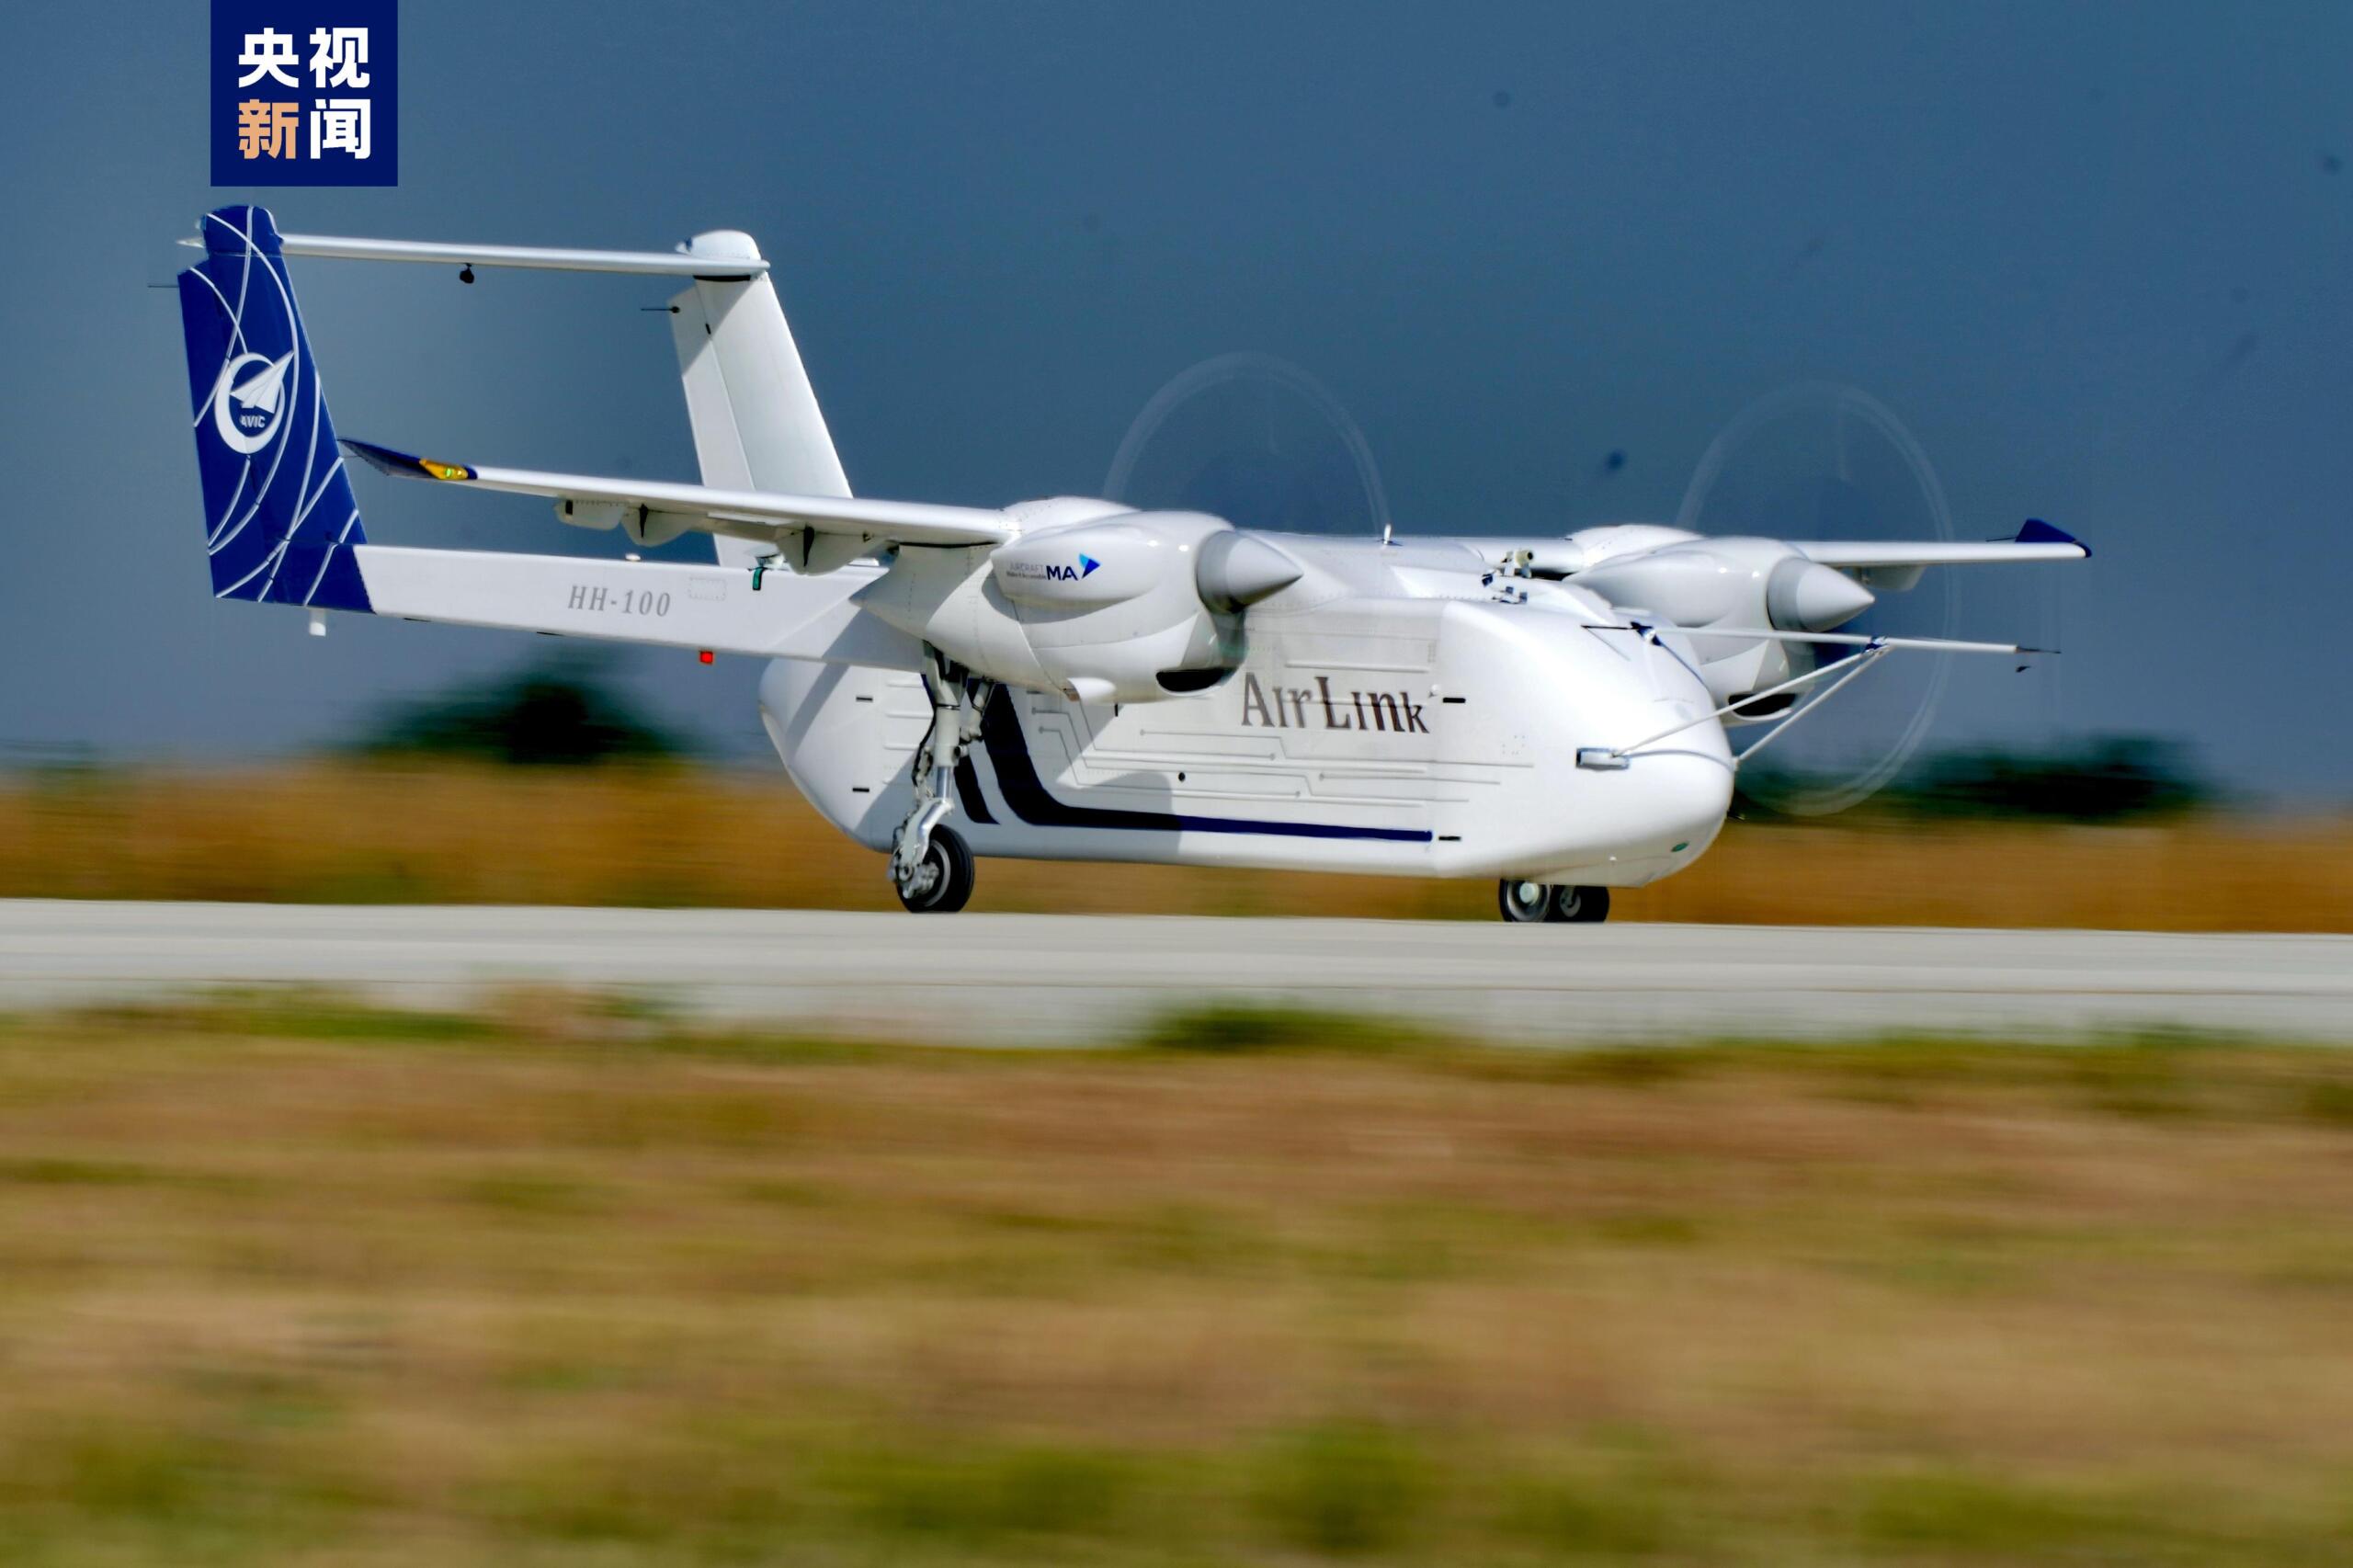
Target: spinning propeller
[1820, 461]
[1255, 440]
[1260, 442]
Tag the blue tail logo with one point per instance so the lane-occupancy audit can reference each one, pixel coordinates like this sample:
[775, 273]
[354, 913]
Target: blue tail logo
[279, 518]
[245, 411]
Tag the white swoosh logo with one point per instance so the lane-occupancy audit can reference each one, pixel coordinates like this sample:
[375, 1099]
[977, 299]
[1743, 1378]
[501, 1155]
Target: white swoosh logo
[248, 427]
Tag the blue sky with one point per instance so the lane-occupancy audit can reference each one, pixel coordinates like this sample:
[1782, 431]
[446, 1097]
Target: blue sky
[2095, 256]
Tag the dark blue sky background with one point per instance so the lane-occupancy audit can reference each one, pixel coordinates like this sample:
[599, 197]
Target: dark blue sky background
[2097, 257]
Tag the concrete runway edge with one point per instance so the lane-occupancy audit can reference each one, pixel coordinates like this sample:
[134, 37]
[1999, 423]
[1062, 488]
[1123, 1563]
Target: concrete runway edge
[1045, 979]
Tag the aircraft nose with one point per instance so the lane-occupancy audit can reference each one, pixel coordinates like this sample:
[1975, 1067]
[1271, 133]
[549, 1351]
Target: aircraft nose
[1680, 797]
[1646, 775]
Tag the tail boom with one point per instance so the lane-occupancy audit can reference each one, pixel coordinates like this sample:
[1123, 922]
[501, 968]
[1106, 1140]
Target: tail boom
[677, 605]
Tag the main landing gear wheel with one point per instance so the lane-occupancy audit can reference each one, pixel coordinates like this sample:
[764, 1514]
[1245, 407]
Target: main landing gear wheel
[942, 880]
[1525, 903]
[930, 865]
[1580, 906]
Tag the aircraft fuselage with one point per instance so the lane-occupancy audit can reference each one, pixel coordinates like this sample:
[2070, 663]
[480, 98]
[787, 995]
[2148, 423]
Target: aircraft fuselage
[1432, 735]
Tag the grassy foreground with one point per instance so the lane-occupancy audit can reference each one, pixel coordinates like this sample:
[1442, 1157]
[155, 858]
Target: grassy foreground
[665, 836]
[294, 1282]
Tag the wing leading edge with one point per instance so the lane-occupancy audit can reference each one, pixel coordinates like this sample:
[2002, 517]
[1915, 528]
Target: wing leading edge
[756, 514]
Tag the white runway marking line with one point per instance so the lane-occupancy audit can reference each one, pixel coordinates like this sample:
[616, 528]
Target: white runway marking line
[1062, 979]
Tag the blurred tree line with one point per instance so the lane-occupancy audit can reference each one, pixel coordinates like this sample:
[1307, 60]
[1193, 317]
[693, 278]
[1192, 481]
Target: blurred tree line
[2104, 778]
[2101, 779]
[548, 714]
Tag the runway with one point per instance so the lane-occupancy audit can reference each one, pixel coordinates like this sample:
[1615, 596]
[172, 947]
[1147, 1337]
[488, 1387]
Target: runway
[1042, 979]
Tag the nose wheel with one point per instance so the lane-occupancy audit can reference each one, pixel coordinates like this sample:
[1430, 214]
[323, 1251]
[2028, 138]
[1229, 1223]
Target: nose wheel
[1527, 904]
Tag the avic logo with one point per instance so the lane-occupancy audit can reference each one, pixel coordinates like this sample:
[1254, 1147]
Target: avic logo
[304, 91]
[248, 400]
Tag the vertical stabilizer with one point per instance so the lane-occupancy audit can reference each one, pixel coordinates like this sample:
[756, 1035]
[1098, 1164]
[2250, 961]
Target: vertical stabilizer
[757, 424]
[280, 519]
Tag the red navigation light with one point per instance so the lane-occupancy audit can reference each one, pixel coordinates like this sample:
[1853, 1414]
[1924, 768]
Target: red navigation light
[704, 655]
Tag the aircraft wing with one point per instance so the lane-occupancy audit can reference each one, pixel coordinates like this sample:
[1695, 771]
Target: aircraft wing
[2036, 541]
[756, 514]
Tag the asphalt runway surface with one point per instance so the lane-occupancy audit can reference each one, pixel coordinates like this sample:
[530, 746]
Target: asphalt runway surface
[1046, 979]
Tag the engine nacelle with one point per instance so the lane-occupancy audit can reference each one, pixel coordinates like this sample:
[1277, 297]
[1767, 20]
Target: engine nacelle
[1128, 607]
[1760, 583]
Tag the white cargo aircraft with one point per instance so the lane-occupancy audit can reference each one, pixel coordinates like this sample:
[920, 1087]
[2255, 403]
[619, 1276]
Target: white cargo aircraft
[1072, 678]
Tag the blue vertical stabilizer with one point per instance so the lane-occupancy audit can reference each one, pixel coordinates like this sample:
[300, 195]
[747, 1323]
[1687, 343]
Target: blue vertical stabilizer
[278, 514]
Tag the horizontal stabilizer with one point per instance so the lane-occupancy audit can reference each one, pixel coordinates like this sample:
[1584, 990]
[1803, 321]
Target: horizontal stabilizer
[674, 264]
[653, 505]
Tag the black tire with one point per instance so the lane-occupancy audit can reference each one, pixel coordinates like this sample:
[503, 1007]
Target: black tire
[1523, 903]
[1579, 907]
[951, 861]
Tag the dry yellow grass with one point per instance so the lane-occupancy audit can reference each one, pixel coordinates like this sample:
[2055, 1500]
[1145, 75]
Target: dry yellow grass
[309, 1284]
[695, 837]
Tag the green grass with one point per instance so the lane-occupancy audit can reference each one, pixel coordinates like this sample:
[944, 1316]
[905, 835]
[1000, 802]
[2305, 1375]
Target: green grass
[287, 1278]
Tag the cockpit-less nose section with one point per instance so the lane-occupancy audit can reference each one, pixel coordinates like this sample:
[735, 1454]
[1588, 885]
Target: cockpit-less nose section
[1074, 678]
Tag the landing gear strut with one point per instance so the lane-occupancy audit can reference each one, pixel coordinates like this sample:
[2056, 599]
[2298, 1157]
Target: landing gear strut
[930, 865]
[1524, 902]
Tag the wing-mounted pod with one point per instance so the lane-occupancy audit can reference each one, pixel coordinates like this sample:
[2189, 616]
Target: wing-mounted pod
[1130, 606]
[1800, 556]
[1140, 607]
[1733, 583]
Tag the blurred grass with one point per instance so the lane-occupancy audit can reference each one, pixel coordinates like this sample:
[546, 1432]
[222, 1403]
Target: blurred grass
[682, 836]
[286, 1280]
